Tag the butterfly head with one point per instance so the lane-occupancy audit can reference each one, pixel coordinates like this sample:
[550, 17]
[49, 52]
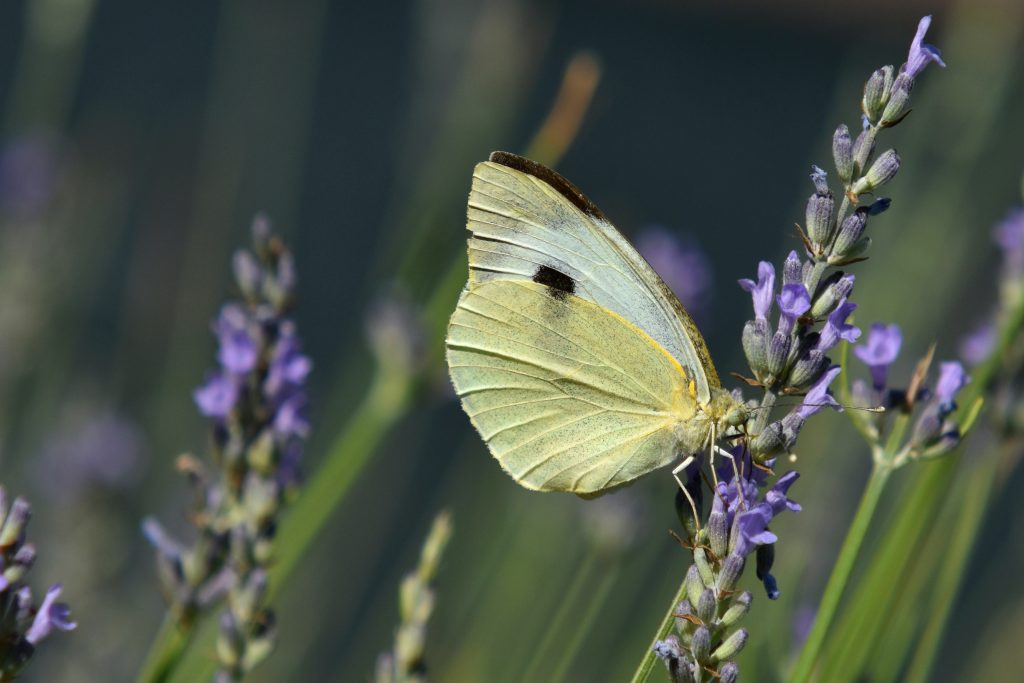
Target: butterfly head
[726, 411]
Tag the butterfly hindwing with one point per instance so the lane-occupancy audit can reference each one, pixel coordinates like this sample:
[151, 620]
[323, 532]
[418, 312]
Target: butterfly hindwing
[568, 395]
[527, 221]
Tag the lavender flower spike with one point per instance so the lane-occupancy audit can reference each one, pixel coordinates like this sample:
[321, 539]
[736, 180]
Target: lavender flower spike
[881, 349]
[256, 402]
[762, 290]
[23, 626]
[922, 54]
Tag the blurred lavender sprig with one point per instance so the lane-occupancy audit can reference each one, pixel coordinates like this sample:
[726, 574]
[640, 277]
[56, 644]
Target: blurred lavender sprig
[405, 662]
[23, 623]
[787, 358]
[256, 402]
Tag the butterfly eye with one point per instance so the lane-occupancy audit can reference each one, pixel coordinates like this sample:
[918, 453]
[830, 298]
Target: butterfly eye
[736, 417]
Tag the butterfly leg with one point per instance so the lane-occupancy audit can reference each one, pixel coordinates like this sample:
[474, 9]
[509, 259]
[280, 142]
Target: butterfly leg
[675, 473]
[735, 471]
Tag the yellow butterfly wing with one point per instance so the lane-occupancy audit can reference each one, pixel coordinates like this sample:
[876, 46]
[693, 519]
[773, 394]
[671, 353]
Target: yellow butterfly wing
[524, 217]
[568, 395]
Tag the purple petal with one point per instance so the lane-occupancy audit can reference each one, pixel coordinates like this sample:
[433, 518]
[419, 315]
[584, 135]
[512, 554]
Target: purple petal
[818, 397]
[881, 349]
[976, 346]
[753, 529]
[290, 419]
[762, 290]
[238, 351]
[51, 615]
[217, 396]
[794, 300]
[837, 328]
[922, 54]
[952, 379]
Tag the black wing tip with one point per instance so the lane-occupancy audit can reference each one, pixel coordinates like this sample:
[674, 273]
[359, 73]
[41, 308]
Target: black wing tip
[555, 180]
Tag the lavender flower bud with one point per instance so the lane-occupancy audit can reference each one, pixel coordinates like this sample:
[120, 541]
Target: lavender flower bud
[928, 428]
[755, 346]
[694, 585]
[899, 101]
[248, 274]
[768, 443]
[683, 609]
[834, 289]
[850, 233]
[882, 171]
[731, 647]
[819, 219]
[876, 92]
[738, 609]
[707, 606]
[707, 574]
[778, 354]
[700, 646]
[842, 153]
[729, 673]
[730, 573]
[792, 270]
[15, 522]
[718, 531]
[807, 369]
[863, 147]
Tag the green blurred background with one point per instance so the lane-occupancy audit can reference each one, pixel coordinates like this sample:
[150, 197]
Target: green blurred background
[139, 139]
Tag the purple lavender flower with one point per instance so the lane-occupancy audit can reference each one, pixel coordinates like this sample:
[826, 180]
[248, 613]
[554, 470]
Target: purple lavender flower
[818, 395]
[762, 290]
[239, 349]
[257, 402]
[837, 328]
[51, 615]
[793, 302]
[288, 367]
[976, 346]
[682, 265]
[881, 349]
[1009, 235]
[217, 396]
[921, 54]
[952, 379]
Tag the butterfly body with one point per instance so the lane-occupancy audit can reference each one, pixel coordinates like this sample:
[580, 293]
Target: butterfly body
[576, 364]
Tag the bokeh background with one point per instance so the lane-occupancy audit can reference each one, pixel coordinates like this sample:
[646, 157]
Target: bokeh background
[139, 140]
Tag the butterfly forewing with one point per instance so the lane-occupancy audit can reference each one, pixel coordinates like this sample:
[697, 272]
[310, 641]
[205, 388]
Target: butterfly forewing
[525, 218]
[568, 395]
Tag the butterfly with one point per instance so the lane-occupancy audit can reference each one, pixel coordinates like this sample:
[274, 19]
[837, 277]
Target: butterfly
[577, 365]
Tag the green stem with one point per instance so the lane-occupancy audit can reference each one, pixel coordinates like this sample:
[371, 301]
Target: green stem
[567, 608]
[164, 651]
[841, 572]
[951, 572]
[583, 626]
[647, 663]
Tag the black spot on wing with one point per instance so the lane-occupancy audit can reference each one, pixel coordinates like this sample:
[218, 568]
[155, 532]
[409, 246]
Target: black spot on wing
[559, 284]
[556, 181]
